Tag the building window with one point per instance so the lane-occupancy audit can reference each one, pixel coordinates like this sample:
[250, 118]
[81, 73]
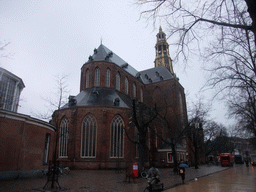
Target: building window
[89, 128]
[7, 93]
[117, 137]
[169, 158]
[63, 138]
[141, 95]
[134, 90]
[46, 148]
[108, 78]
[87, 78]
[181, 107]
[118, 81]
[97, 77]
[126, 83]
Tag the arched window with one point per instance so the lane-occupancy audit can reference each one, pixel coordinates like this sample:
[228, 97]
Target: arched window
[141, 95]
[117, 137]
[97, 77]
[108, 78]
[63, 138]
[46, 147]
[87, 78]
[181, 106]
[126, 83]
[134, 90]
[118, 81]
[89, 127]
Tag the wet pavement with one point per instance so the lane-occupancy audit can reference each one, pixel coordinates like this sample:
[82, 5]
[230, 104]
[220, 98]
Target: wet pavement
[106, 180]
[238, 179]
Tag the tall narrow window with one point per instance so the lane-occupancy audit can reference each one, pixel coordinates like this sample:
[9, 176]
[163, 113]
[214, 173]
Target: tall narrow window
[126, 82]
[181, 107]
[63, 138]
[108, 78]
[87, 78]
[46, 148]
[117, 137]
[118, 81]
[89, 127]
[134, 90]
[97, 77]
[7, 88]
[141, 95]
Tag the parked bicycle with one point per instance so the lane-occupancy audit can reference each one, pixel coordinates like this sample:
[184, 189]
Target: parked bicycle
[155, 187]
[144, 173]
[153, 179]
[44, 172]
[64, 170]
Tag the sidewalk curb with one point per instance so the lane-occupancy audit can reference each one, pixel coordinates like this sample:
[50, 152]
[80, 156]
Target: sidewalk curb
[209, 174]
[178, 184]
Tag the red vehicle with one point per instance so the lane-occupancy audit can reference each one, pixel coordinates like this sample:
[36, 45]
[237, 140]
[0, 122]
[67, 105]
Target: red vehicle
[226, 159]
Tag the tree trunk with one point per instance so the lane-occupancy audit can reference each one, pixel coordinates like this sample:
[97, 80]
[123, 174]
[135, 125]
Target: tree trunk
[175, 162]
[196, 152]
[251, 4]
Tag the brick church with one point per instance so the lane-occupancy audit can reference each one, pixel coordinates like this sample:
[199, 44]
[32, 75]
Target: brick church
[93, 127]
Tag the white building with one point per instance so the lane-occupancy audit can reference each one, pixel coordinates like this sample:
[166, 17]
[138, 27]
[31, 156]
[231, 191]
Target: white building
[10, 89]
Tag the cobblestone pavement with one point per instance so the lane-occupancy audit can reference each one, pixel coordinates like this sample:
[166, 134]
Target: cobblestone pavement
[105, 181]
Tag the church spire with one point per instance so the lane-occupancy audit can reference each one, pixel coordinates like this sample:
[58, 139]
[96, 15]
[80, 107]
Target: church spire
[162, 52]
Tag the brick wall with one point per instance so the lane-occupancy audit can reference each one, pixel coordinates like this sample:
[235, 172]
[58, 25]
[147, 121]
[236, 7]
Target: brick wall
[23, 142]
[166, 94]
[114, 69]
[104, 117]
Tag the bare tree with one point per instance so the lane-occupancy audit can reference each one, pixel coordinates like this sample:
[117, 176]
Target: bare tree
[189, 19]
[3, 46]
[57, 100]
[142, 116]
[224, 33]
[54, 105]
[164, 120]
[197, 118]
[174, 126]
[242, 106]
[213, 132]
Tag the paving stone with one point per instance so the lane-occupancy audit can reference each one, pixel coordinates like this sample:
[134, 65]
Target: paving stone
[105, 181]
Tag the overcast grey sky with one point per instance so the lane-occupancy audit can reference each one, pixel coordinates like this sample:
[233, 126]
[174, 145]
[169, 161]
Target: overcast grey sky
[49, 38]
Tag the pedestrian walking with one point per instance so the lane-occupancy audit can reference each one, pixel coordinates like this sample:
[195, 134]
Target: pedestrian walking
[182, 171]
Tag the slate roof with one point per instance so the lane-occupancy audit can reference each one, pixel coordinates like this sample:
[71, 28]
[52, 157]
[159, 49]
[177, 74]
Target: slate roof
[105, 54]
[156, 74]
[148, 76]
[106, 96]
[100, 97]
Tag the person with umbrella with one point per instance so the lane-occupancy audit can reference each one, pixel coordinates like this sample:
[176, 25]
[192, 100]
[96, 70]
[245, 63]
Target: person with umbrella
[182, 167]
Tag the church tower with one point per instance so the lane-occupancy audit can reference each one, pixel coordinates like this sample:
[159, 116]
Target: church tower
[162, 52]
